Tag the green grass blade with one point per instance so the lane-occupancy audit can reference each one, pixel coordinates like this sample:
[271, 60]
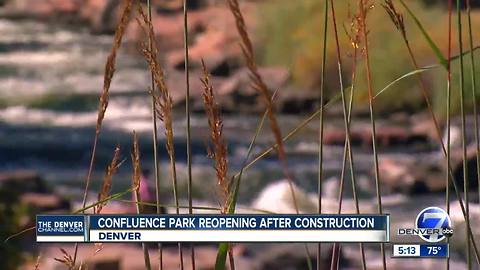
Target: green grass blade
[221, 256]
[223, 247]
[431, 43]
[404, 76]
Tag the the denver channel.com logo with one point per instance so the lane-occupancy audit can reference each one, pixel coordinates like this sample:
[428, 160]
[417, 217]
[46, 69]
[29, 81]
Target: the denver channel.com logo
[432, 225]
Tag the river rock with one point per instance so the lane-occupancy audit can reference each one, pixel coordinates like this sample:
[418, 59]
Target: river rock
[32, 191]
[177, 5]
[42, 203]
[63, 9]
[277, 198]
[22, 181]
[295, 101]
[101, 15]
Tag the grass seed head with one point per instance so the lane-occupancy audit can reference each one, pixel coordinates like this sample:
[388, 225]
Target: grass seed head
[110, 64]
[107, 179]
[395, 16]
[219, 151]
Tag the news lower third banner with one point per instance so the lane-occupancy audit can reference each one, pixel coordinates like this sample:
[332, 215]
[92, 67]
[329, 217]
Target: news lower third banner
[213, 228]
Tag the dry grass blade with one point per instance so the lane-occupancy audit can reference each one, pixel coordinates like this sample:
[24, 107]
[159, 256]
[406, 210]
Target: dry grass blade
[219, 151]
[261, 87]
[104, 97]
[136, 176]
[163, 104]
[66, 260]
[137, 170]
[107, 179]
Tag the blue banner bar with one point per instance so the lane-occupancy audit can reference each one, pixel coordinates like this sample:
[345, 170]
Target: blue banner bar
[239, 222]
[436, 250]
[213, 228]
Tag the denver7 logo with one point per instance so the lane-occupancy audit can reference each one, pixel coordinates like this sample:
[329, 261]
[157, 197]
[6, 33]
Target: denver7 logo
[434, 224]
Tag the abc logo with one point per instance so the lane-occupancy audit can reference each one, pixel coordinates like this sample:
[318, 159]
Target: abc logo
[448, 232]
[434, 223]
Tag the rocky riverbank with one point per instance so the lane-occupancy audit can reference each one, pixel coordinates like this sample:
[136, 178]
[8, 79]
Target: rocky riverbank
[212, 40]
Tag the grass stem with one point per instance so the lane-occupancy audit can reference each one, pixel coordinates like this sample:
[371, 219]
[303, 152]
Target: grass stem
[321, 125]
[155, 141]
[473, 73]
[105, 96]
[346, 113]
[364, 8]
[187, 113]
[466, 184]
[137, 171]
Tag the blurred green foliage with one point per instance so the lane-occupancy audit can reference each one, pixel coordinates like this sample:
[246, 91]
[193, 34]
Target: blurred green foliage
[10, 214]
[289, 33]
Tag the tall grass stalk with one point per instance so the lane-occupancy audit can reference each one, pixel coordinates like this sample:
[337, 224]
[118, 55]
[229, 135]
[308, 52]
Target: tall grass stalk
[187, 113]
[219, 151]
[155, 140]
[261, 87]
[355, 40]
[364, 8]
[348, 147]
[449, 88]
[464, 146]
[223, 247]
[163, 107]
[433, 46]
[137, 172]
[474, 91]
[446, 63]
[104, 97]
[398, 20]
[321, 125]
